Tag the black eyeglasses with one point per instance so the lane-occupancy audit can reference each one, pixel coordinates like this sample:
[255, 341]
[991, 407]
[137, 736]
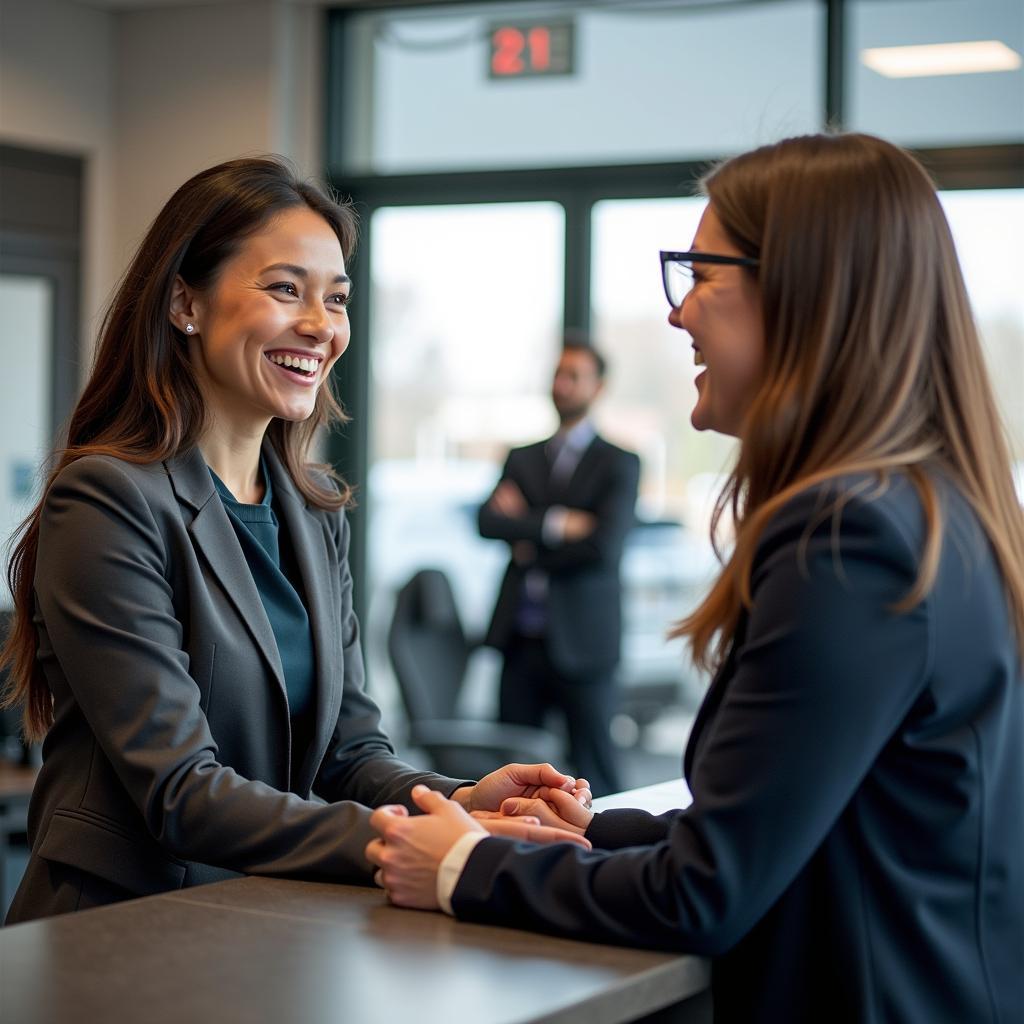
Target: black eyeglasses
[677, 271]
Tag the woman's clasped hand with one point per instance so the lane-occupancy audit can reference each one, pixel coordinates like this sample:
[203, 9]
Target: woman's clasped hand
[408, 859]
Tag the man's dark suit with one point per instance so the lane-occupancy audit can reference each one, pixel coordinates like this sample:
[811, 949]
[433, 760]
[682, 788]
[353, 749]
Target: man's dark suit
[582, 632]
[855, 846]
[168, 763]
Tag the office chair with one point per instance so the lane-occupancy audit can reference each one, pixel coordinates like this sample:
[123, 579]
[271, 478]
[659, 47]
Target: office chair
[429, 653]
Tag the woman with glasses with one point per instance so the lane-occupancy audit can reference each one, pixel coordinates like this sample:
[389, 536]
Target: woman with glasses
[184, 640]
[854, 850]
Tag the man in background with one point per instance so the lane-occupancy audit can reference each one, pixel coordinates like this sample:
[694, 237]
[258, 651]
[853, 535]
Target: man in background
[564, 505]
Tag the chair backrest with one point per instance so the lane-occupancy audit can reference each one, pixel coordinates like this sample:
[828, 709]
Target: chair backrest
[428, 646]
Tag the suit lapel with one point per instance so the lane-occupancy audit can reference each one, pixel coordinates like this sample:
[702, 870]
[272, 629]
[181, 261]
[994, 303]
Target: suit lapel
[215, 539]
[537, 471]
[314, 561]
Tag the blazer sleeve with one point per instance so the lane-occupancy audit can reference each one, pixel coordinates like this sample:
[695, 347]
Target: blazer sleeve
[826, 673]
[360, 762]
[616, 516]
[629, 826]
[102, 590]
[495, 525]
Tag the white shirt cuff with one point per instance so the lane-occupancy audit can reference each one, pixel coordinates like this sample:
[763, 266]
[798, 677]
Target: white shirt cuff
[552, 528]
[450, 871]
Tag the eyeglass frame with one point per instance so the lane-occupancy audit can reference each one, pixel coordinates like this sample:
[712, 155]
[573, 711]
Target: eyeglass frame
[694, 256]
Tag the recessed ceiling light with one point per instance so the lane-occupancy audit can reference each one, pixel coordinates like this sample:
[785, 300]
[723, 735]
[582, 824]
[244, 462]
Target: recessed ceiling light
[941, 59]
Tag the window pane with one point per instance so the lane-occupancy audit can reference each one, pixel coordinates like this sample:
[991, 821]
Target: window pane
[987, 226]
[466, 318]
[647, 406]
[648, 86]
[938, 108]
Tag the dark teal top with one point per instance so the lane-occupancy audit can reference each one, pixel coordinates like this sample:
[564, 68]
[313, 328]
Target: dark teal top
[271, 561]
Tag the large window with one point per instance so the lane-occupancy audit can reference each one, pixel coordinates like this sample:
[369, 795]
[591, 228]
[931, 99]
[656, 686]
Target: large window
[500, 212]
[466, 308]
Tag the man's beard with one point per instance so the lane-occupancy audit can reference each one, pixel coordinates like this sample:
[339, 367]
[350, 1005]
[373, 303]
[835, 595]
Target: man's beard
[571, 412]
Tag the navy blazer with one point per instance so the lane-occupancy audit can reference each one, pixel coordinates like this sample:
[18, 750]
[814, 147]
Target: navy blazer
[584, 600]
[169, 760]
[855, 846]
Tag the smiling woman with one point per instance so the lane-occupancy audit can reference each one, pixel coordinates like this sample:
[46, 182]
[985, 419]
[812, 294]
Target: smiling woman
[184, 636]
[844, 857]
[720, 310]
[267, 332]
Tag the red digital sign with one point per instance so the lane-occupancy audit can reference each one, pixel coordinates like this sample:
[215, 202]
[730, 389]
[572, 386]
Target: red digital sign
[528, 50]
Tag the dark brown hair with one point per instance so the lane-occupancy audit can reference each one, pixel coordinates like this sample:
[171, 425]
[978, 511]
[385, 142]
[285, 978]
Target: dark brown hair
[872, 358]
[575, 340]
[142, 402]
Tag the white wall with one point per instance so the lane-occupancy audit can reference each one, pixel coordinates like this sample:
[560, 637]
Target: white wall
[197, 85]
[150, 96]
[193, 88]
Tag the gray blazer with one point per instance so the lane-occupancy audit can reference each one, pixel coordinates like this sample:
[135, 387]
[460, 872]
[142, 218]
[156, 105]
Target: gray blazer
[168, 763]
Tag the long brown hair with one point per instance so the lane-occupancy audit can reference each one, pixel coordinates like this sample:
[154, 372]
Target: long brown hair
[872, 359]
[142, 402]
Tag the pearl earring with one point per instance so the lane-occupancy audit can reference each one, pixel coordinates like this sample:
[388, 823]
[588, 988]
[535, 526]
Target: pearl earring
[189, 329]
